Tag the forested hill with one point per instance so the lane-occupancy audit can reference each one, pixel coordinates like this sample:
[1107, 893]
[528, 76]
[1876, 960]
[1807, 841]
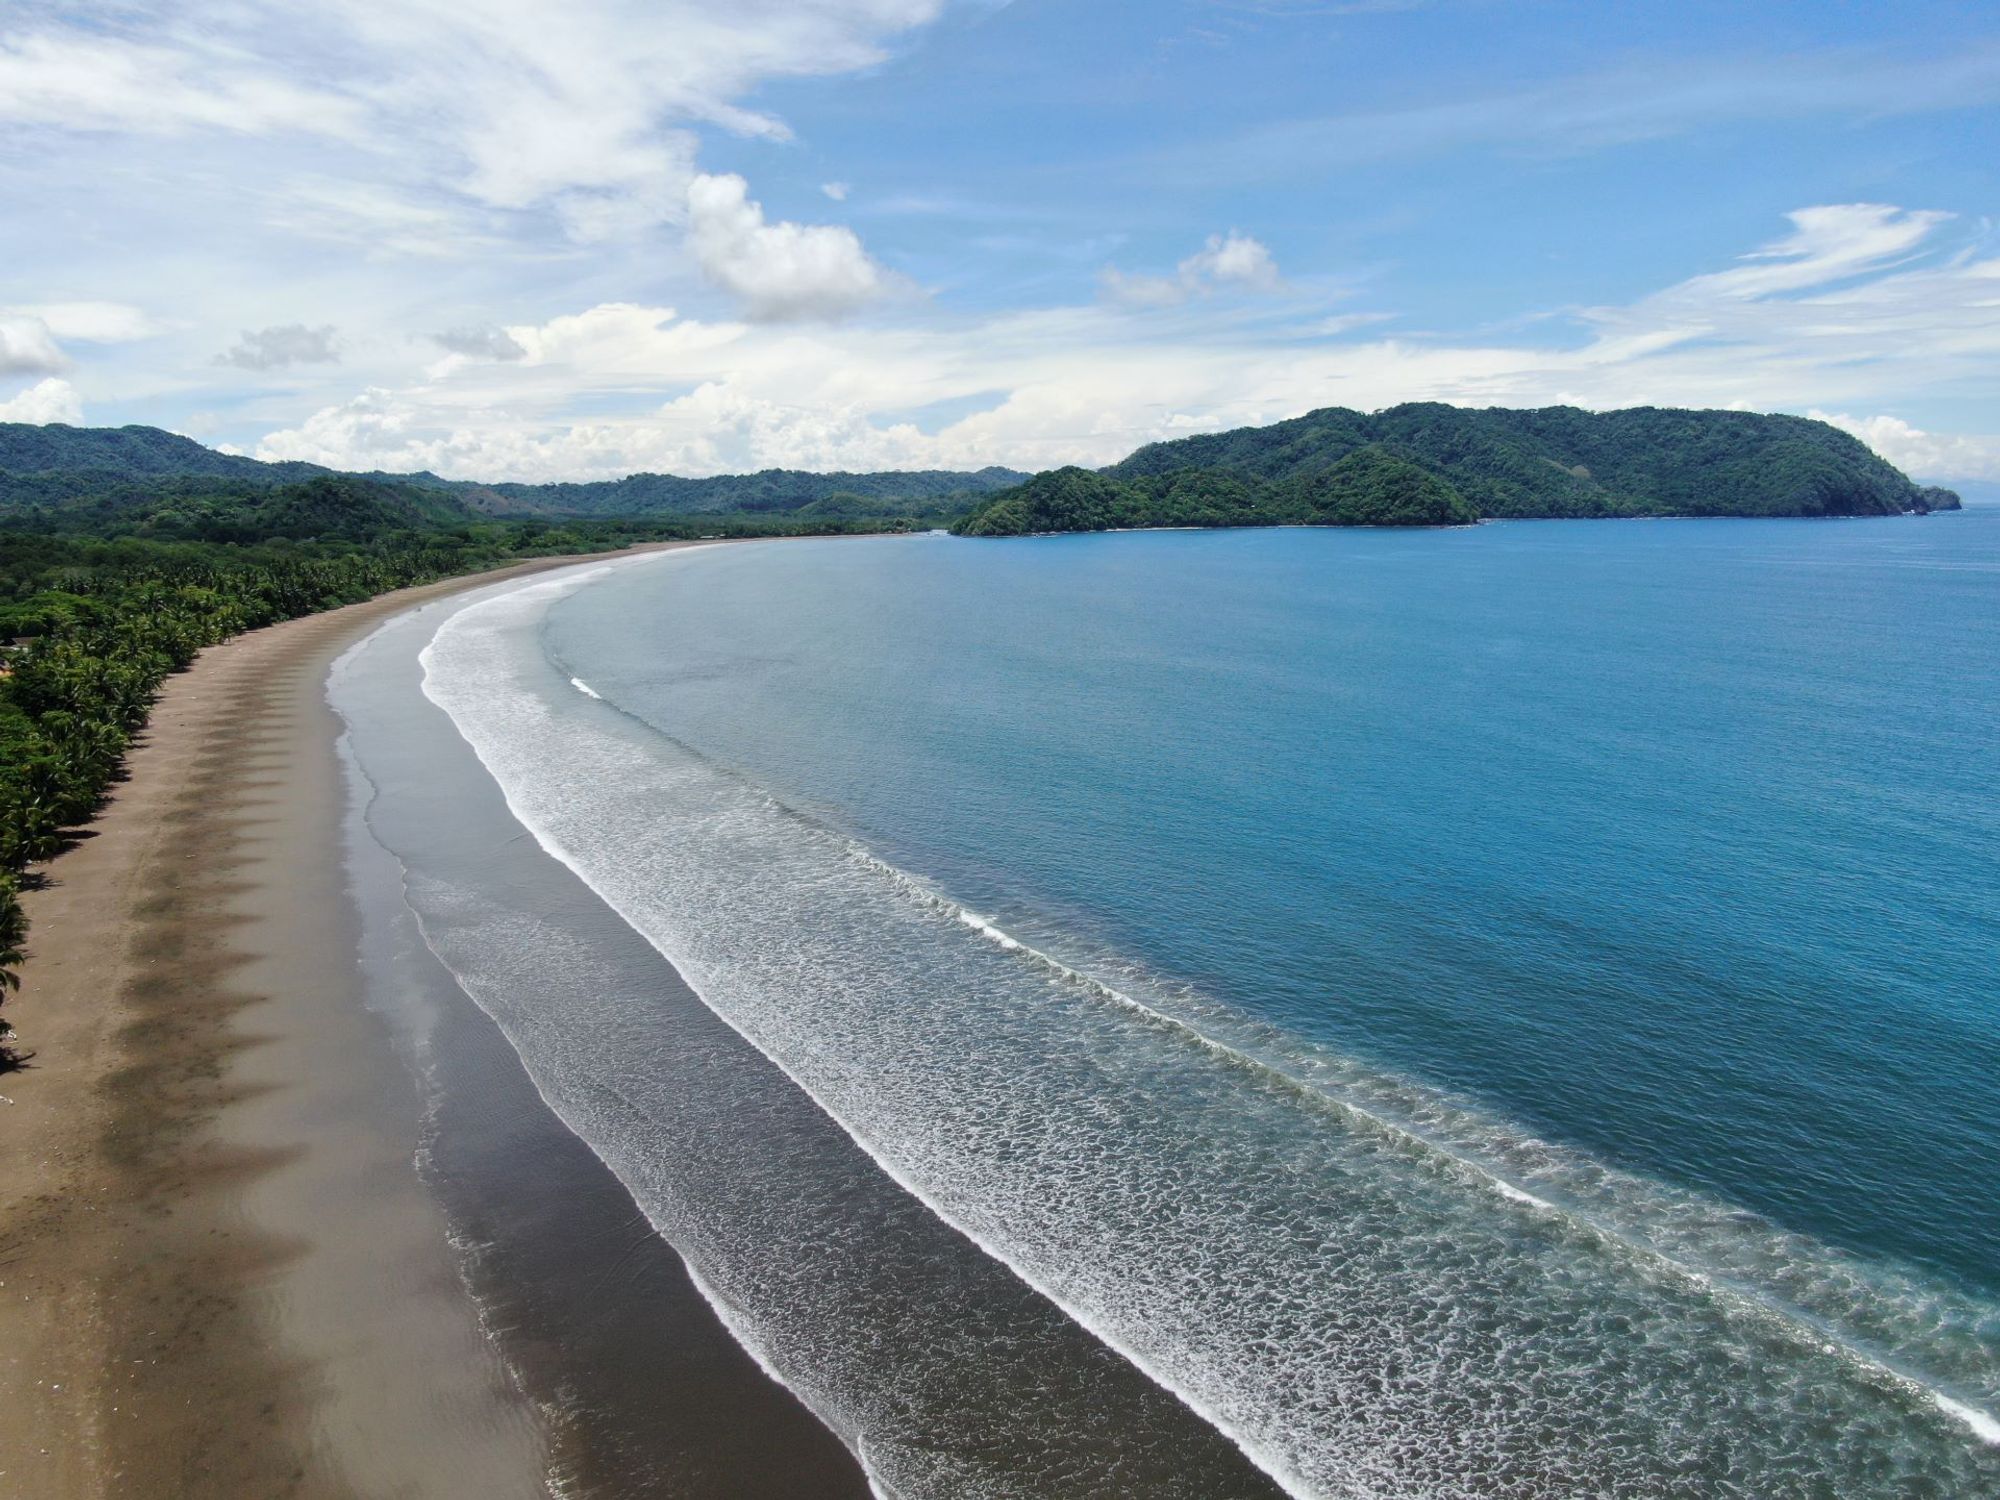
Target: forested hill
[58, 465]
[1429, 464]
[31, 450]
[766, 490]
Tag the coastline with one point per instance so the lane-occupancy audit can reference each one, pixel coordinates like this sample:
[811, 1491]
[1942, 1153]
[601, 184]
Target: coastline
[219, 1273]
[225, 1277]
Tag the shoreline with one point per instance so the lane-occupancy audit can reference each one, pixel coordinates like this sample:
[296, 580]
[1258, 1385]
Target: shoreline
[219, 1270]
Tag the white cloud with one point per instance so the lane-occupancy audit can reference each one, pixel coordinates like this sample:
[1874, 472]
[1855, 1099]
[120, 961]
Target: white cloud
[1231, 260]
[370, 431]
[1826, 244]
[582, 110]
[1922, 455]
[1234, 259]
[782, 271]
[88, 80]
[1842, 315]
[837, 191]
[480, 343]
[27, 347]
[380, 221]
[275, 348]
[48, 401]
[93, 322]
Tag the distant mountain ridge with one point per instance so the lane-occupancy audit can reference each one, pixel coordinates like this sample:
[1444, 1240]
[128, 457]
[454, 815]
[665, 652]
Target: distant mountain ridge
[1422, 464]
[55, 464]
[129, 452]
[765, 490]
[1431, 464]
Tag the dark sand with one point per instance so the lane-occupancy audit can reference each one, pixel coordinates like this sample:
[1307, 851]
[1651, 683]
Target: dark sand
[219, 1271]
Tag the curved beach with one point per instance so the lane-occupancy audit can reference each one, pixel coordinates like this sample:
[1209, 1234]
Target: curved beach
[584, 1034]
[220, 1272]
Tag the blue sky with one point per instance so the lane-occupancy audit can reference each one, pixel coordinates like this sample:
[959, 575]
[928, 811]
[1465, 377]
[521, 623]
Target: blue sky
[510, 240]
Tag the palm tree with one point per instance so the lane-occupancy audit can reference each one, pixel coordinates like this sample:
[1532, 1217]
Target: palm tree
[13, 933]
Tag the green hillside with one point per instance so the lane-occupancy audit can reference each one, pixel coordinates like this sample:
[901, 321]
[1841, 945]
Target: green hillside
[1545, 463]
[108, 467]
[1369, 486]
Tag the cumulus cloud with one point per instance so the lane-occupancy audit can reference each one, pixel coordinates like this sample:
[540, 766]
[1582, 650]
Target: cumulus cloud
[488, 342]
[782, 271]
[28, 347]
[275, 348]
[1862, 306]
[47, 401]
[1234, 259]
[1921, 454]
[837, 191]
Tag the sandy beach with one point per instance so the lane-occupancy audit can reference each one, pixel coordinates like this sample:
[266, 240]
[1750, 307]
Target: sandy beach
[219, 1274]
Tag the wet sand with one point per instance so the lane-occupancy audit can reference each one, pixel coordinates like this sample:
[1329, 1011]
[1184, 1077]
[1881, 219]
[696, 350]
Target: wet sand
[220, 1273]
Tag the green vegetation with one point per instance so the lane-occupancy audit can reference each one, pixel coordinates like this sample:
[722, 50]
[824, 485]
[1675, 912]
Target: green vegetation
[53, 464]
[1373, 487]
[1368, 487]
[1427, 464]
[1069, 499]
[112, 585]
[124, 551]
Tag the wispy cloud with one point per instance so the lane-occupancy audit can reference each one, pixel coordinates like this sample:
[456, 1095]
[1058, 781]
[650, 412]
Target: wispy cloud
[423, 116]
[172, 82]
[452, 181]
[1637, 101]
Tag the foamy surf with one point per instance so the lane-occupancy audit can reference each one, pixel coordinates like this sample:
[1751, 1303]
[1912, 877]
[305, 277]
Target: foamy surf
[1984, 1427]
[1114, 1166]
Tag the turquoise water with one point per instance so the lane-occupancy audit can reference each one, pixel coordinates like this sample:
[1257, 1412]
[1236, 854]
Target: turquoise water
[1503, 1011]
[1679, 842]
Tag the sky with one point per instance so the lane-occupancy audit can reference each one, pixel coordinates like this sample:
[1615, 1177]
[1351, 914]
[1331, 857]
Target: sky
[510, 239]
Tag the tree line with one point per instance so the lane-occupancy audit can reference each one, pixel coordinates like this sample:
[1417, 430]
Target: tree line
[98, 607]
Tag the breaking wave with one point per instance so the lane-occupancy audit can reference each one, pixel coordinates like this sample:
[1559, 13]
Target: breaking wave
[1373, 1288]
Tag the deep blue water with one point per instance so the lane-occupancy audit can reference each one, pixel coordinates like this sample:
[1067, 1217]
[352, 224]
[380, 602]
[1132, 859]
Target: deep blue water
[1676, 843]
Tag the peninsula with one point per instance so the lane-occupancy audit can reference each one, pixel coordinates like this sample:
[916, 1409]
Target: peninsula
[1428, 464]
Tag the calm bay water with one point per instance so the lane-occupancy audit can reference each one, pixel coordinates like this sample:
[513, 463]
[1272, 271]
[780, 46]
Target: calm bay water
[1507, 1010]
[1677, 841]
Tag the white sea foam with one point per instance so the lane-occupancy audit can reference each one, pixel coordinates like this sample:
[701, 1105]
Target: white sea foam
[1330, 1267]
[1983, 1426]
[585, 688]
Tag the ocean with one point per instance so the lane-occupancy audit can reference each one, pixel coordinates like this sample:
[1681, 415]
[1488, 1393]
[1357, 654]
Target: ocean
[1505, 1011]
